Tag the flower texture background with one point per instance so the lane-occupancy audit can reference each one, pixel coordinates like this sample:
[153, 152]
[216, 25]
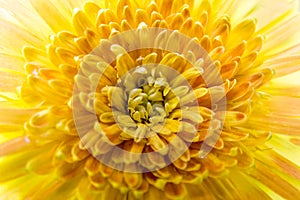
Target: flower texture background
[222, 124]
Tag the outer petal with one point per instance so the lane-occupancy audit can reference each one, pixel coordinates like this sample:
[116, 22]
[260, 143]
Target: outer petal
[21, 24]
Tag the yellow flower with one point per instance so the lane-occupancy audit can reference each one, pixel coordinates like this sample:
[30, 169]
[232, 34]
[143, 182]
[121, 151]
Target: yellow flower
[149, 100]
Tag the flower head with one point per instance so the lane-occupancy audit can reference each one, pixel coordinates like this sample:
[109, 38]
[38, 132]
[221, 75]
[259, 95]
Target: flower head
[160, 99]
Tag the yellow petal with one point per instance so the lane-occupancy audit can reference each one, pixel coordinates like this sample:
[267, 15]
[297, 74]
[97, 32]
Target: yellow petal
[55, 13]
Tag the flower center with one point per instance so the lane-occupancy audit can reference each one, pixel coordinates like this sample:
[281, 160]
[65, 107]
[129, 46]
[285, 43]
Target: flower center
[146, 104]
[148, 100]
